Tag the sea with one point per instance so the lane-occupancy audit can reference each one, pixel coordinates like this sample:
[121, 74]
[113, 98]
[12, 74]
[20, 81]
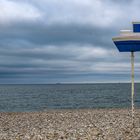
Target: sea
[30, 98]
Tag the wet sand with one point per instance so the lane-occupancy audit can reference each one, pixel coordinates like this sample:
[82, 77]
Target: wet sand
[86, 124]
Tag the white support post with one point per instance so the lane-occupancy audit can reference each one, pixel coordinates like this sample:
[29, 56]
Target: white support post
[132, 85]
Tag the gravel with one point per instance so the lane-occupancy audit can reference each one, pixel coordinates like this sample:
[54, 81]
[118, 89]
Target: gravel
[82, 124]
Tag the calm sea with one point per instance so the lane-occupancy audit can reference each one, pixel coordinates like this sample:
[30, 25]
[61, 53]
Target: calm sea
[20, 98]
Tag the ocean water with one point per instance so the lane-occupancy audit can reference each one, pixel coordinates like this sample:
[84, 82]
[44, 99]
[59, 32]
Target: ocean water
[25, 98]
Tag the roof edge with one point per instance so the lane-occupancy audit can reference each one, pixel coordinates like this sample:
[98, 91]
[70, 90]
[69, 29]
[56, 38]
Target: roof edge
[136, 22]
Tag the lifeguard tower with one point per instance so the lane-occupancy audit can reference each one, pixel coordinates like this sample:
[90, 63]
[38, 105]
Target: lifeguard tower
[129, 41]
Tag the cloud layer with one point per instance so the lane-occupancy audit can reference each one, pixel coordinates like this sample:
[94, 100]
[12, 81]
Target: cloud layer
[64, 41]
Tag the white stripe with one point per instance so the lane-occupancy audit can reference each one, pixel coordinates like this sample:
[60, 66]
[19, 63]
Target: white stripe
[126, 38]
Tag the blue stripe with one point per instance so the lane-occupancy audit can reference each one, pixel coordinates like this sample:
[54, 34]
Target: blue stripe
[128, 46]
[136, 27]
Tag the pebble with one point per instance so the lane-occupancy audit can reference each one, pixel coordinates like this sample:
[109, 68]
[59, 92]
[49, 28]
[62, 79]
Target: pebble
[86, 124]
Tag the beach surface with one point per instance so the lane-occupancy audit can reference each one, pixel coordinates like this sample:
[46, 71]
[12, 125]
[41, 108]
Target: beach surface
[82, 124]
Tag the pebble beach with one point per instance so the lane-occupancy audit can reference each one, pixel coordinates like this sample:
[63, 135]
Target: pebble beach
[82, 124]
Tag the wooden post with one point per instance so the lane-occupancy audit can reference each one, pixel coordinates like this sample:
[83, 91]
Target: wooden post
[132, 85]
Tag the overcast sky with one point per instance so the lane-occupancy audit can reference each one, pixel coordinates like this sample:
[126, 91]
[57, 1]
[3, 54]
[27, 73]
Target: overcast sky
[66, 41]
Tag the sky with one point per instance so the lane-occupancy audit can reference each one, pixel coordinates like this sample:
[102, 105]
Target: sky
[65, 41]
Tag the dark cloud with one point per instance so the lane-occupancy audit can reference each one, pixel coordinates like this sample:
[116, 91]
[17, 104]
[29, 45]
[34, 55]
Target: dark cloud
[58, 34]
[65, 41]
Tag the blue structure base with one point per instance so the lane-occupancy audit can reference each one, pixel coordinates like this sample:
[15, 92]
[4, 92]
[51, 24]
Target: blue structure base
[128, 46]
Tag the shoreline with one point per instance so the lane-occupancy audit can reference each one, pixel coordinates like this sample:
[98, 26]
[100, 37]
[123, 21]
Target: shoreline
[76, 109]
[67, 124]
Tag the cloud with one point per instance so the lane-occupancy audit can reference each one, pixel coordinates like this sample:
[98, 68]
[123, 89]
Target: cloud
[68, 59]
[57, 34]
[64, 41]
[17, 12]
[97, 12]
